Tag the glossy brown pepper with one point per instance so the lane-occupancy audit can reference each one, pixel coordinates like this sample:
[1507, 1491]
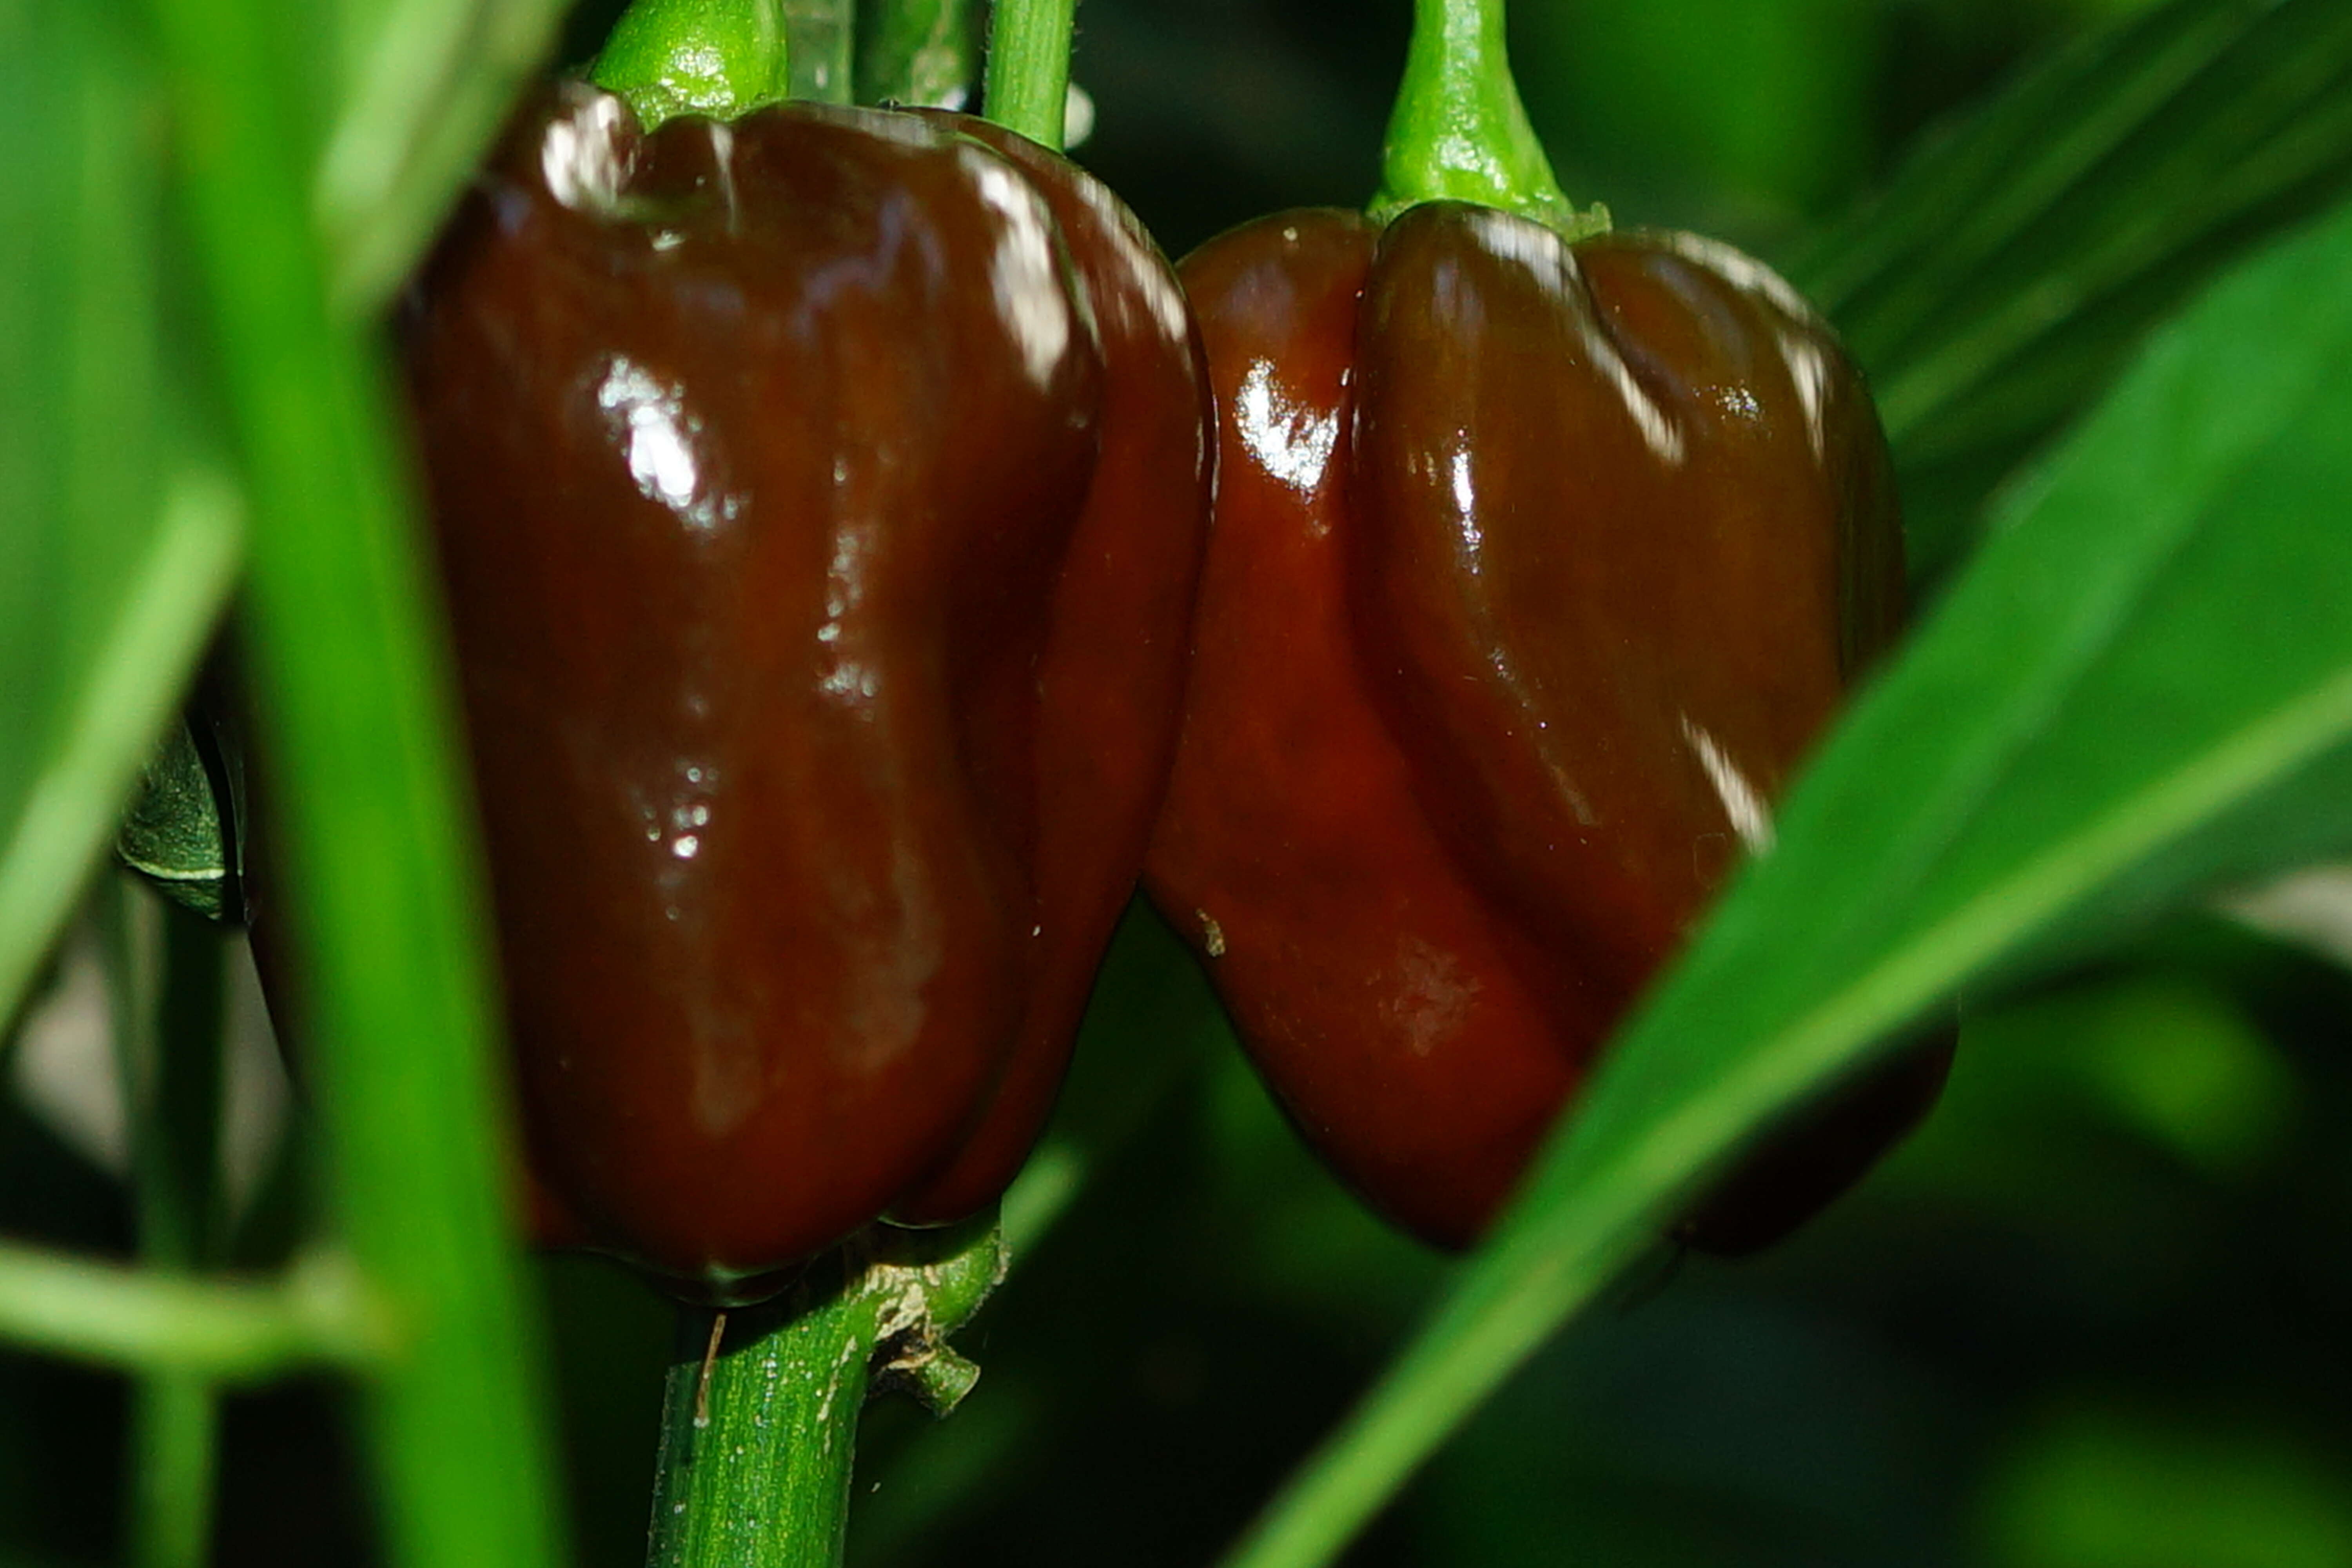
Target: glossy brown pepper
[1111, 682]
[819, 499]
[1536, 569]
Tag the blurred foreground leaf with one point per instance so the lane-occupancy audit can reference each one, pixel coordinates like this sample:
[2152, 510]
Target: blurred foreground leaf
[2097, 1486]
[2006, 274]
[2140, 688]
[117, 544]
[120, 531]
[375, 881]
[426, 85]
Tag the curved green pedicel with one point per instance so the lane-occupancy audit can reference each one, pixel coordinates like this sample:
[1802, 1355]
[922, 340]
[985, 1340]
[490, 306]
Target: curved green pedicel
[718, 57]
[758, 1443]
[1459, 132]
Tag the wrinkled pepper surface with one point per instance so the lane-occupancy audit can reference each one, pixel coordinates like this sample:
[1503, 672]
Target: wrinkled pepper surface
[820, 499]
[1536, 569]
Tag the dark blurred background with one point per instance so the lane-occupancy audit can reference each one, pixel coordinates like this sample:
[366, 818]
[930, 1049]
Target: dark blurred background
[2093, 1317]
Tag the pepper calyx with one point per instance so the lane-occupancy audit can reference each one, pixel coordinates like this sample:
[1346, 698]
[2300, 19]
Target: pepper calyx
[722, 59]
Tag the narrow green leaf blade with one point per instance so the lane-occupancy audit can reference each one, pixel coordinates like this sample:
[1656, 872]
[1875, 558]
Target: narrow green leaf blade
[2006, 273]
[116, 547]
[2142, 685]
[376, 879]
[427, 84]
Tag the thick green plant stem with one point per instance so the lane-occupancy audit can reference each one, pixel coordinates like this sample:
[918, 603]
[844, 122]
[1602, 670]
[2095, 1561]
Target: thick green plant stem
[755, 1459]
[1029, 68]
[824, 35]
[920, 53]
[759, 1429]
[1459, 132]
[168, 1033]
[718, 57]
[380, 904]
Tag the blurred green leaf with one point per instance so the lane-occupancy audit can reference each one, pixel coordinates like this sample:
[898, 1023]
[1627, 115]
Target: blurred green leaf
[117, 544]
[2006, 273]
[1770, 98]
[2094, 1487]
[380, 904]
[317, 1313]
[2061, 1081]
[2172, 1061]
[427, 83]
[2142, 685]
[918, 52]
[120, 531]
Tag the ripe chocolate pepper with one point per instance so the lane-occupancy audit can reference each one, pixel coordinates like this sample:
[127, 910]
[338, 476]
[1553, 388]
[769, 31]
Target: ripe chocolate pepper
[1537, 567]
[819, 499]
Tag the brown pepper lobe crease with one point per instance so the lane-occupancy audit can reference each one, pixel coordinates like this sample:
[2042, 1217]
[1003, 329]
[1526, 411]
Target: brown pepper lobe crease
[1110, 677]
[1346, 942]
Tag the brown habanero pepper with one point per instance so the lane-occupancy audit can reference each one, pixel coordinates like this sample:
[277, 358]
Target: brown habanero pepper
[1537, 567]
[819, 497]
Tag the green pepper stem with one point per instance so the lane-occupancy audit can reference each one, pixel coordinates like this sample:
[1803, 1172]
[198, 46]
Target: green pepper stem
[759, 1412]
[718, 57]
[757, 1442]
[1029, 66]
[1459, 132]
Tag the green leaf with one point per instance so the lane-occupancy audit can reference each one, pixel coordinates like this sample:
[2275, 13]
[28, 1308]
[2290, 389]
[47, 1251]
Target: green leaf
[380, 903]
[426, 85]
[2007, 272]
[178, 832]
[120, 530]
[117, 539]
[821, 36]
[2140, 688]
[918, 53]
[230, 1329]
